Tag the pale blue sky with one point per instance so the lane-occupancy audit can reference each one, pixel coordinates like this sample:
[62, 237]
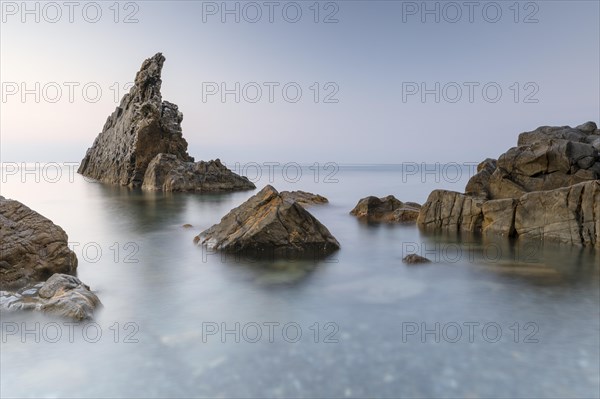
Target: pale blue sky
[369, 54]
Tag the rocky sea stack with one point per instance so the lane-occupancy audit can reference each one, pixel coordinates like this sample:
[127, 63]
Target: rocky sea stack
[546, 188]
[37, 266]
[270, 224]
[142, 145]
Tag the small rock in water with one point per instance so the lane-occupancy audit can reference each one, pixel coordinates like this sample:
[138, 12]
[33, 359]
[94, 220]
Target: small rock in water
[386, 210]
[187, 226]
[414, 259]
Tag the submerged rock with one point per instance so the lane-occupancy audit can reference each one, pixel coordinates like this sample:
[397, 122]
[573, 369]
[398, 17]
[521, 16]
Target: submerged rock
[414, 259]
[32, 248]
[268, 224]
[61, 295]
[304, 198]
[144, 129]
[386, 210]
[546, 188]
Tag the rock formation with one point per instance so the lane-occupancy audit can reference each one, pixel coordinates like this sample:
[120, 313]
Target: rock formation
[36, 266]
[62, 295]
[144, 130]
[32, 248]
[168, 173]
[268, 225]
[545, 188]
[387, 210]
[304, 198]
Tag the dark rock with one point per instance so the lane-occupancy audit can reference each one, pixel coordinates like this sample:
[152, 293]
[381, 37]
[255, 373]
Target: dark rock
[269, 225]
[168, 173]
[414, 259]
[32, 248]
[141, 127]
[141, 130]
[547, 133]
[387, 210]
[478, 184]
[588, 127]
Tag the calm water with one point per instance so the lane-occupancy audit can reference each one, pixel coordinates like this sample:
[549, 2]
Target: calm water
[511, 322]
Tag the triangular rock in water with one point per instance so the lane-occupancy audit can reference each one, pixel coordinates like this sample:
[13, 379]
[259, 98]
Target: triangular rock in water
[144, 128]
[267, 225]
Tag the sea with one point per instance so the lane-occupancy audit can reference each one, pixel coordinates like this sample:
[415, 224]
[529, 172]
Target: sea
[486, 318]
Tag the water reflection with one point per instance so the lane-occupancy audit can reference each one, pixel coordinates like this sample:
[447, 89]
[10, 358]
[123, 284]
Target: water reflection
[535, 261]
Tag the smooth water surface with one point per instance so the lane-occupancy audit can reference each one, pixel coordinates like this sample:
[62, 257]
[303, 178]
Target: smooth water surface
[484, 319]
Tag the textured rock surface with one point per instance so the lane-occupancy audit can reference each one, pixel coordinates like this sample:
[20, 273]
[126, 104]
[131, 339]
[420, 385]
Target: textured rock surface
[269, 225]
[62, 295]
[499, 217]
[142, 127]
[451, 210]
[167, 172]
[304, 198]
[32, 248]
[570, 214]
[387, 210]
[546, 188]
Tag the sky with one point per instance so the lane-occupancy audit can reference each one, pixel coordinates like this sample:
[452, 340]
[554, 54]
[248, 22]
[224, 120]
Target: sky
[358, 82]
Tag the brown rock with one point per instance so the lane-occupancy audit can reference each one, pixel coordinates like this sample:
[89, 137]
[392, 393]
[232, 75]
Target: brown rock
[386, 210]
[268, 225]
[32, 248]
[168, 173]
[499, 217]
[568, 215]
[142, 144]
[304, 198]
[450, 210]
[142, 126]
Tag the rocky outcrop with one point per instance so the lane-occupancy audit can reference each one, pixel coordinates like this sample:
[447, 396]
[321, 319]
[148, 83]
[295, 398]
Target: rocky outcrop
[304, 198]
[386, 210]
[452, 211]
[269, 225]
[144, 130]
[570, 215]
[168, 173]
[62, 295]
[32, 248]
[36, 266]
[545, 188]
